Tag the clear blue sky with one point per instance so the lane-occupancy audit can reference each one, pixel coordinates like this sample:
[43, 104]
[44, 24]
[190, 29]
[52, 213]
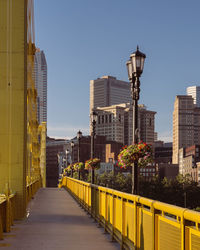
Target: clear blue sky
[85, 39]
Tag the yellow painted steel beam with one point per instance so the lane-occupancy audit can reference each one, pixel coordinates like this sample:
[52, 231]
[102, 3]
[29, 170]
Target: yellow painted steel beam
[20, 149]
[43, 134]
[13, 100]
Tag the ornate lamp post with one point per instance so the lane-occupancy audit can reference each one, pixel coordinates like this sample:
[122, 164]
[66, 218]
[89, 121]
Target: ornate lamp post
[79, 136]
[66, 152]
[135, 68]
[93, 117]
[72, 156]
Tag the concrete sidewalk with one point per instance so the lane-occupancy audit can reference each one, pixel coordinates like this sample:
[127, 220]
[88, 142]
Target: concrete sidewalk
[56, 222]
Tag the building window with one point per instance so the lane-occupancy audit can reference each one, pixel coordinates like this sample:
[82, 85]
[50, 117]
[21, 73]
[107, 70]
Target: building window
[111, 160]
[99, 119]
[150, 121]
[110, 118]
[106, 117]
[102, 119]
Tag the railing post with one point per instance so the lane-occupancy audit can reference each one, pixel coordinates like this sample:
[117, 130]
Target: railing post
[122, 225]
[1, 223]
[113, 216]
[99, 215]
[106, 206]
[153, 226]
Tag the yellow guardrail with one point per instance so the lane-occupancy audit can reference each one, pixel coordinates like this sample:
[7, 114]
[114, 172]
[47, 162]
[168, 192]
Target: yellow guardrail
[136, 222]
[7, 207]
[31, 189]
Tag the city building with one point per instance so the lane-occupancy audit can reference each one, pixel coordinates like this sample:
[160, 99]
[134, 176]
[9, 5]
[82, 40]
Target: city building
[107, 90]
[186, 124]
[104, 149]
[170, 171]
[163, 152]
[180, 160]
[189, 159]
[194, 91]
[148, 172]
[54, 147]
[106, 167]
[116, 123]
[40, 75]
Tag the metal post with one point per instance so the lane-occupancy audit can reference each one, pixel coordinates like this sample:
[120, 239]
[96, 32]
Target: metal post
[72, 160]
[78, 149]
[135, 89]
[79, 174]
[92, 148]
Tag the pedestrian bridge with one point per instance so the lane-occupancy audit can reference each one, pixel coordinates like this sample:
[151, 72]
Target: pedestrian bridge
[53, 220]
[57, 221]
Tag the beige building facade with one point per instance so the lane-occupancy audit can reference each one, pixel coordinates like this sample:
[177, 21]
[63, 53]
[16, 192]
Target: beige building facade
[186, 124]
[107, 90]
[116, 123]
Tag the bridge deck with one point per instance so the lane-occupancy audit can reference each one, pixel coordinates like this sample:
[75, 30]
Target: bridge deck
[56, 222]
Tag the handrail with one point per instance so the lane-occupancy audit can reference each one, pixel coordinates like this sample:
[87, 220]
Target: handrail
[135, 221]
[7, 206]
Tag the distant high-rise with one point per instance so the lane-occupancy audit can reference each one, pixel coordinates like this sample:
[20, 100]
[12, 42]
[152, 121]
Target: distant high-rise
[41, 85]
[107, 91]
[186, 124]
[116, 123]
[194, 91]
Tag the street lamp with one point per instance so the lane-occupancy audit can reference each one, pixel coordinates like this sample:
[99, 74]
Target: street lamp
[72, 156]
[66, 152]
[79, 136]
[135, 68]
[93, 117]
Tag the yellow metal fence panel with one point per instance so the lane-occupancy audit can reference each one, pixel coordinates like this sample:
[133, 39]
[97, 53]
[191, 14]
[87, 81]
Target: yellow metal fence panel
[129, 221]
[138, 222]
[145, 229]
[169, 234]
[118, 213]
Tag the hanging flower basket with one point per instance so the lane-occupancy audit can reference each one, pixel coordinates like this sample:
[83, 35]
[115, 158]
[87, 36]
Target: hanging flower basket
[78, 166]
[69, 168]
[92, 164]
[141, 152]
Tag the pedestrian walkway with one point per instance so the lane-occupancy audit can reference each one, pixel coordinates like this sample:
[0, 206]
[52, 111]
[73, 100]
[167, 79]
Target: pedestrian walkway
[56, 222]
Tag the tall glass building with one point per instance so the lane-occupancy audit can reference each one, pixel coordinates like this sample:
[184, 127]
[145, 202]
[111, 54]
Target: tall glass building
[194, 91]
[41, 85]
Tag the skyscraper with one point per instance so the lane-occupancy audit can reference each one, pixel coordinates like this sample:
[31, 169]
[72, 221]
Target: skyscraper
[107, 91]
[194, 91]
[40, 74]
[186, 124]
[116, 123]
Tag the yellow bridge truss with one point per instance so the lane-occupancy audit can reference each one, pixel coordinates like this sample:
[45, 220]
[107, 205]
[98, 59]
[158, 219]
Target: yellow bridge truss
[22, 139]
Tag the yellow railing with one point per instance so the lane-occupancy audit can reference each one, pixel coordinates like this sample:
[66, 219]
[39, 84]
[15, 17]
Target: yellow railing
[31, 189]
[7, 207]
[136, 222]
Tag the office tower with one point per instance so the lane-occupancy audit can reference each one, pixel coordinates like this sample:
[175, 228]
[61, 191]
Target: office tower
[107, 91]
[40, 72]
[116, 123]
[186, 124]
[194, 91]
